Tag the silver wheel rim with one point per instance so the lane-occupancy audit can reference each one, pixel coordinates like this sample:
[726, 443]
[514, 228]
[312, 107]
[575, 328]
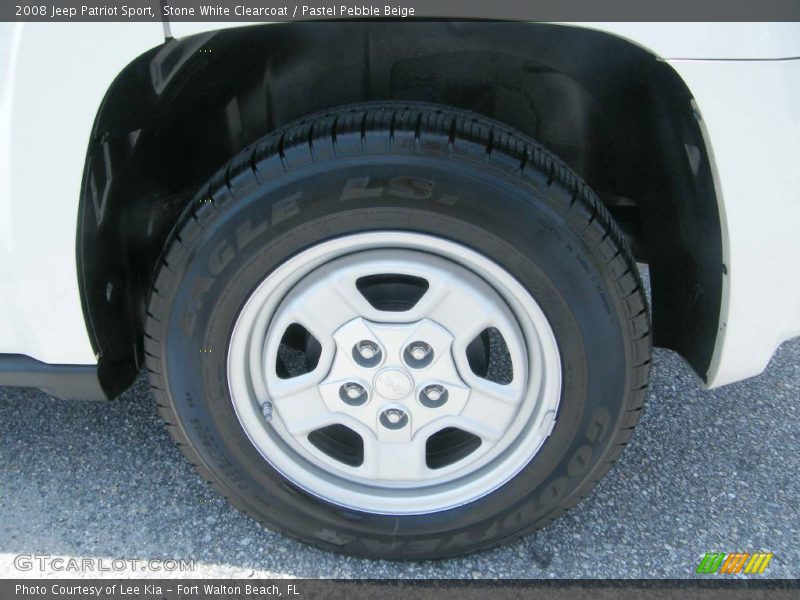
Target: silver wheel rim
[400, 379]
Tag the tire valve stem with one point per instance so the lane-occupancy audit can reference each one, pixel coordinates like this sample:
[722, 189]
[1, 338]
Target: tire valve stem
[266, 410]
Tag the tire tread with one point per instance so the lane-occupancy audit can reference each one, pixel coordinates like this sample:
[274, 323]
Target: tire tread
[424, 129]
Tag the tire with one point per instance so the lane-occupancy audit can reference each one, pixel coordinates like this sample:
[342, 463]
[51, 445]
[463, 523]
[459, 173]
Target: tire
[487, 215]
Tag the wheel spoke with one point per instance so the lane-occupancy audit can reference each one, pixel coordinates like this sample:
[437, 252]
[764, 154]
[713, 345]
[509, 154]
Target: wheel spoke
[396, 461]
[303, 410]
[325, 306]
[488, 415]
[506, 394]
[462, 314]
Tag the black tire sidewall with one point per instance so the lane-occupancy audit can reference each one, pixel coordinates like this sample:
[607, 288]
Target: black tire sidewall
[486, 211]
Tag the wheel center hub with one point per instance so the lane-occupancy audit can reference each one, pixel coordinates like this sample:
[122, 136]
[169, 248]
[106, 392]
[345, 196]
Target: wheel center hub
[406, 380]
[393, 384]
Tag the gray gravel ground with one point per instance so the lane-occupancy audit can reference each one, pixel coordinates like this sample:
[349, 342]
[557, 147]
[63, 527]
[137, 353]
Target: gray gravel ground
[706, 471]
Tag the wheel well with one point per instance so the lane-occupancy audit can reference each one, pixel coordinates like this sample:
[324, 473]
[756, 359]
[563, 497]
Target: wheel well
[622, 119]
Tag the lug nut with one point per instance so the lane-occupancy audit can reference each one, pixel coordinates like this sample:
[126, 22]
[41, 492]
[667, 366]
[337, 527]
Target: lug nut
[393, 418]
[367, 353]
[353, 394]
[433, 396]
[367, 350]
[418, 354]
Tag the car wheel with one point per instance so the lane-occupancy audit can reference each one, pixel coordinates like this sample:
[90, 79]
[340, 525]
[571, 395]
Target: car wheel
[399, 331]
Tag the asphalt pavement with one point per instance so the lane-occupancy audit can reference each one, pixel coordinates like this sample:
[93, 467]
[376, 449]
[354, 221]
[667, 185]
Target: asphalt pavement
[705, 472]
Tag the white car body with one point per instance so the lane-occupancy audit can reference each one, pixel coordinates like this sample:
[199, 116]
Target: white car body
[745, 79]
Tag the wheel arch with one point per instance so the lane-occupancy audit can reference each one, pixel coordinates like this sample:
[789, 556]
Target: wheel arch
[619, 116]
